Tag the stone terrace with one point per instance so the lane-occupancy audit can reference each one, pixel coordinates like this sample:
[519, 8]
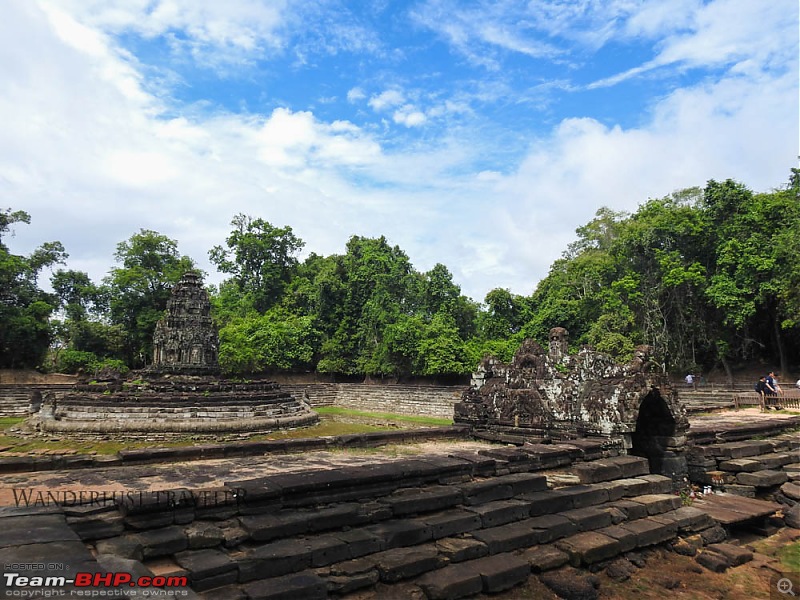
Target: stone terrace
[445, 526]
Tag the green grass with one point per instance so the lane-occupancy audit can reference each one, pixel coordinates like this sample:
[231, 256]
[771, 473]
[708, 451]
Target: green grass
[790, 557]
[347, 412]
[335, 421]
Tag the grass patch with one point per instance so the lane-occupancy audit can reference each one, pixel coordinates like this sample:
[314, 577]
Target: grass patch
[347, 412]
[9, 442]
[790, 557]
[324, 428]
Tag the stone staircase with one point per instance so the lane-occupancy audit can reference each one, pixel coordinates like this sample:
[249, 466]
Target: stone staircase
[444, 526]
[750, 468]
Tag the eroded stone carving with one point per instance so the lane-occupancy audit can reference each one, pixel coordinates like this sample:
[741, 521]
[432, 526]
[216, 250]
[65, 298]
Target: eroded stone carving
[185, 339]
[559, 396]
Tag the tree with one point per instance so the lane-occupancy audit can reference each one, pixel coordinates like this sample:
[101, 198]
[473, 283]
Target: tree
[374, 284]
[140, 287]
[25, 332]
[274, 341]
[261, 258]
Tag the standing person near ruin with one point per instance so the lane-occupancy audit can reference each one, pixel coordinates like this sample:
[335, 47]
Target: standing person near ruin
[774, 383]
[761, 390]
[689, 379]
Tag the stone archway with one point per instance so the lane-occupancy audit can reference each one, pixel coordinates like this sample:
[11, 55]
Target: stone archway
[659, 438]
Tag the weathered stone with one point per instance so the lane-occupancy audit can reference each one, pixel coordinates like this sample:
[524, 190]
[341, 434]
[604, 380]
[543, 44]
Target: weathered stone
[507, 537]
[631, 466]
[761, 479]
[545, 558]
[597, 471]
[501, 571]
[791, 516]
[161, 542]
[274, 559]
[736, 555]
[186, 340]
[344, 584]
[648, 531]
[658, 503]
[402, 563]
[745, 491]
[738, 465]
[451, 582]
[581, 496]
[689, 519]
[97, 527]
[625, 537]
[203, 564]
[659, 484]
[570, 583]
[327, 549]
[633, 510]
[544, 503]
[620, 569]
[307, 586]
[714, 535]
[791, 490]
[589, 547]
[501, 512]
[263, 528]
[400, 533]
[458, 550]
[410, 501]
[480, 492]
[126, 546]
[539, 392]
[551, 527]
[203, 535]
[682, 547]
[452, 522]
[587, 519]
[713, 561]
[360, 542]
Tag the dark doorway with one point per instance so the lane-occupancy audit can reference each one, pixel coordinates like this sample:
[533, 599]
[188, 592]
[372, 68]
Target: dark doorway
[655, 429]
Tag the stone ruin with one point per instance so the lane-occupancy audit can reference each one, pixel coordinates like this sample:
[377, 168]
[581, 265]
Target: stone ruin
[555, 396]
[180, 393]
[185, 339]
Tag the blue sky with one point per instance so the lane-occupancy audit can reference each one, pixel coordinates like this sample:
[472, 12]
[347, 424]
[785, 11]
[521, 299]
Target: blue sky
[475, 134]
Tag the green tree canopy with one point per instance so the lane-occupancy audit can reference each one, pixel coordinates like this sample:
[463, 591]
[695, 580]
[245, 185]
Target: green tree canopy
[150, 265]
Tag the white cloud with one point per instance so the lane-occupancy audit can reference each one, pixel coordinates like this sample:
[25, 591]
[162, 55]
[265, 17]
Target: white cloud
[386, 99]
[355, 94]
[409, 116]
[94, 158]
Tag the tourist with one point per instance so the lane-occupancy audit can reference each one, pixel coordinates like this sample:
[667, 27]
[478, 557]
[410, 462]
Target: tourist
[773, 381]
[798, 384]
[689, 379]
[761, 389]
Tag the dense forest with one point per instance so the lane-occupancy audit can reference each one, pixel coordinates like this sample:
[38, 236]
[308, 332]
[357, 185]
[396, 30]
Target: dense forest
[709, 277]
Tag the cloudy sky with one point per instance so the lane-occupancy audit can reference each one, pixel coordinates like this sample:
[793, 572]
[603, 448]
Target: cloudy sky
[475, 134]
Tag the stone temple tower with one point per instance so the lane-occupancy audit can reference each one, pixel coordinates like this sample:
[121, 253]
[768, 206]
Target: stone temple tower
[185, 340]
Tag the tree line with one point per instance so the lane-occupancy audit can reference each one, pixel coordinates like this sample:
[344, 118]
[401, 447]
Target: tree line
[708, 277]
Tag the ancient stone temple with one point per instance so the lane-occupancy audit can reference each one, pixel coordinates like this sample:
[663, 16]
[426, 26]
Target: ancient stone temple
[185, 339]
[557, 396]
[180, 393]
